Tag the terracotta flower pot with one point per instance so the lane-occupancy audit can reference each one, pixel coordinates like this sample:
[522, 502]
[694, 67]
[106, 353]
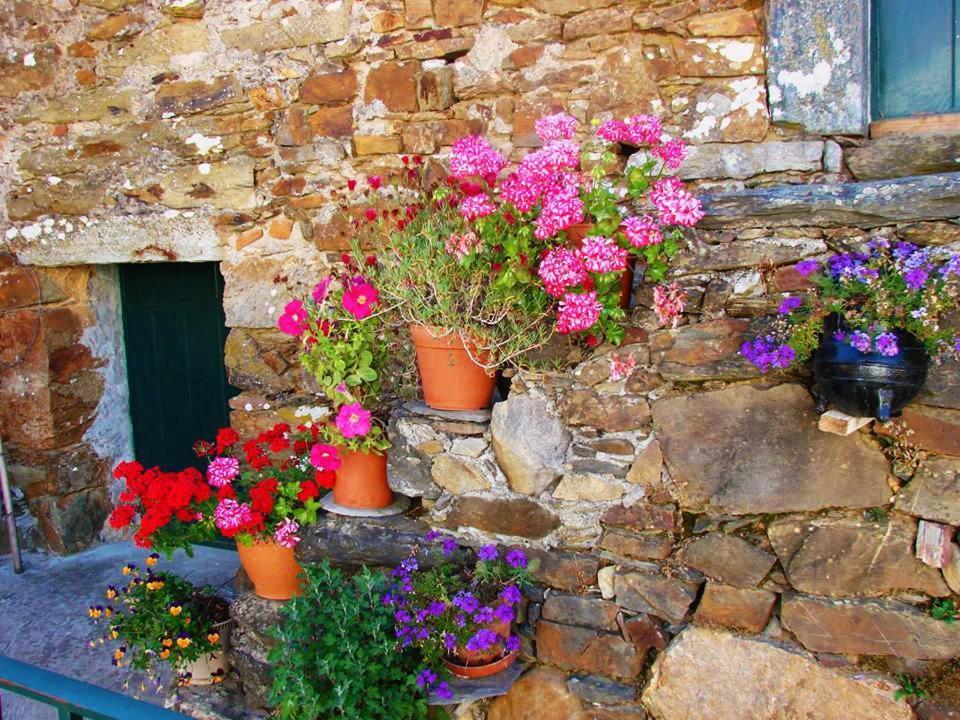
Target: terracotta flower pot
[272, 568]
[362, 480]
[451, 379]
[465, 657]
[485, 670]
[576, 234]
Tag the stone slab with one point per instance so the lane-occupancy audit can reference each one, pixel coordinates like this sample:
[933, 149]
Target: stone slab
[817, 65]
[744, 160]
[894, 156]
[934, 491]
[358, 541]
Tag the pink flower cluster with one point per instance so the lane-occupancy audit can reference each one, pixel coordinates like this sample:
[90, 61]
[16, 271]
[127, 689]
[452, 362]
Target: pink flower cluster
[561, 208]
[294, 320]
[360, 298]
[675, 205]
[668, 303]
[472, 155]
[286, 533]
[578, 311]
[462, 245]
[476, 206]
[231, 515]
[560, 269]
[222, 470]
[548, 176]
[621, 366]
[642, 230]
[602, 254]
[560, 126]
[639, 130]
[673, 153]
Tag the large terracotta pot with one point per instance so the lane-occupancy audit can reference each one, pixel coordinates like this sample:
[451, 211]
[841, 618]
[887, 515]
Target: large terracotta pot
[451, 379]
[576, 234]
[362, 481]
[272, 569]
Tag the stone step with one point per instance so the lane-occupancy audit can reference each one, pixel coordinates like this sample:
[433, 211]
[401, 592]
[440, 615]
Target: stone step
[353, 541]
[214, 702]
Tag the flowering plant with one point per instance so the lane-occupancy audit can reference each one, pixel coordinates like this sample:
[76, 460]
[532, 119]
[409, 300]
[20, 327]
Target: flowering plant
[159, 619]
[506, 234]
[270, 495]
[889, 287]
[465, 602]
[341, 329]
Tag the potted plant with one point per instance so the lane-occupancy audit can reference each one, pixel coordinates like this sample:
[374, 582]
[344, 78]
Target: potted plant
[341, 331]
[160, 619]
[460, 611]
[871, 322]
[336, 653]
[259, 495]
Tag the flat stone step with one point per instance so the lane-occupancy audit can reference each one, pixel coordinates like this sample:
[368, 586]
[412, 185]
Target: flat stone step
[469, 690]
[352, 541]
[214, 702]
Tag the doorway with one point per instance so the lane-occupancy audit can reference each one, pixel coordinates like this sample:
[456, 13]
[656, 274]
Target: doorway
[174, 334]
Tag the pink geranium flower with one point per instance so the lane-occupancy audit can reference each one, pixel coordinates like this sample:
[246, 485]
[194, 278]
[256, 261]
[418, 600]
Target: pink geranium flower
[294, 320]
[668, 303]
[674, 204]
[324, 457]
[672, 152]
[602, 255]
[461, 245]
[476, 206]
[578, 311]
[473, 155]
[556, 127]
[360, 298]
[642, 231]
[353, 420]
[560, 269]
[222, 470]
[286, 533]
[231, 515]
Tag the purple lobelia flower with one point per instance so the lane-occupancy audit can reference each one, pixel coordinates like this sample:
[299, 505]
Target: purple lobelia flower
[886, 344]
[443, 691]
[466, 601]
[449, 546]
[426, 678]
[861, 341]
[513, 643]
[504, 613]
[488, 552]
[482, 640]
[516, 558]
[511, 594]
[805, 268]
[789, 304]
[915, 278]
[766, 353]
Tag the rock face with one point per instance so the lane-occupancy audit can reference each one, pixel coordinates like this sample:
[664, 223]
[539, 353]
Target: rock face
[729, 559]
[842, 555]
[604, 412]
[896, 156]
[457, 476]
[650, 591]
[554, 701]
[743, 450]
[721, 160]
[371, 541]
[721, 676]
[869, 627]
[586, 649]
[809, 84]
[530, 443]
[934, 492]
[518, 517]
[743, 609]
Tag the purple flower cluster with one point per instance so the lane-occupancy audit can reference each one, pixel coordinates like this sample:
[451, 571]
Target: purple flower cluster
[789, 304]
[766, 353]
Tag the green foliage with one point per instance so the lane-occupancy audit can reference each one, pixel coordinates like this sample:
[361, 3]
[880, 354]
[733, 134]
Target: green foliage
[944, 609]
[876, 514]
[158, 618]
[910, 688]
[337, 656]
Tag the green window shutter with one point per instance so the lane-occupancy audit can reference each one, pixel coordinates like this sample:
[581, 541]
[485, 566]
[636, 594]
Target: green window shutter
[174, 335]
[914, 48]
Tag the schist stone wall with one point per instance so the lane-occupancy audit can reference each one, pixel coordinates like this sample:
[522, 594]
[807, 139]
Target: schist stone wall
[695, 527]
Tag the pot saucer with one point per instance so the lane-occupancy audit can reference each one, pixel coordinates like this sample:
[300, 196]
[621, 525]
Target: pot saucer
[400, 504]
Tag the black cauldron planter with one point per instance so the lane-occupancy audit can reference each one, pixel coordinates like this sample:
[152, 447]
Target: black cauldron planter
[867, 384]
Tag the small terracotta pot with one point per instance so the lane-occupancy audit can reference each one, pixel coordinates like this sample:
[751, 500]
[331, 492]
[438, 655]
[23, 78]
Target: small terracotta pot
[362, 480]
[451, 379]
[479, 671]
[576, 234]
[471, 658]
[272, 568]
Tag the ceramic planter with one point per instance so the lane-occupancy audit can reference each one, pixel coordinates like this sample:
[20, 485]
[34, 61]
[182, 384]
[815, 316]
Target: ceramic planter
[451, 379]
[272, 568]
[204, 669]
[867, 384]
[362, 480]
[576, 234]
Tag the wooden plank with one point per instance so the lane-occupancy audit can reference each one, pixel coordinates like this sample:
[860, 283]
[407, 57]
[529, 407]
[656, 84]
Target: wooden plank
[941, 124]
[839, 423]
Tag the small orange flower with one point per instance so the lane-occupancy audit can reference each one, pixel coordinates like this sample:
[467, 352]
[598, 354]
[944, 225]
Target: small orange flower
[154, 584]
[164, 654]
[183, 642]
[175, 610]
[117, 654]
[167, 642]
[95, 612]
[152, 559]
[111, 592]
[114, 634]
[213, 638]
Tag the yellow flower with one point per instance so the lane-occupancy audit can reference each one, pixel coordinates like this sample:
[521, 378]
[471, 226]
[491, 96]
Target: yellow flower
[213, 638]
[127, 570]
[175, 610]
[95, 612]
[114, 634]
[152, 559]
[167, 642]
[117, 654]
[154, 584]
[183, 642]
[164, 654]
[111, 593]
[108, 612]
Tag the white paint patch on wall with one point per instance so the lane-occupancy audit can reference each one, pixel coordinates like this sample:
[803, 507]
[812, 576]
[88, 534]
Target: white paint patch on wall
[807, 83]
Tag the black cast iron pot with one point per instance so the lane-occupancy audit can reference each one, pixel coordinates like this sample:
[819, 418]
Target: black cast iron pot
[867, 384]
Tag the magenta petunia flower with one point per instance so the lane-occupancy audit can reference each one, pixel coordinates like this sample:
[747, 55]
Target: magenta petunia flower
[321, 289]
[353, 420]
[222, 471]
[294, 320]
[360, 298]
[324, 457]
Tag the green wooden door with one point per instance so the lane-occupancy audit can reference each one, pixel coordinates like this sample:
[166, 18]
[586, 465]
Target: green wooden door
[174, 333]
[914, 48]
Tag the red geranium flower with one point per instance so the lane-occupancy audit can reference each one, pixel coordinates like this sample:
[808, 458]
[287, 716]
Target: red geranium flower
[122, 516]
[325, 478]
[227, 437]
[308, 491]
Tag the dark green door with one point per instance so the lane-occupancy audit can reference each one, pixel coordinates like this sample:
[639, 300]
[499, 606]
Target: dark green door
[174, 332]
[914, 46]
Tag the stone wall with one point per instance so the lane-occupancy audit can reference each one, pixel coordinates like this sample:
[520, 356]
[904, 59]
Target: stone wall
[681, 493]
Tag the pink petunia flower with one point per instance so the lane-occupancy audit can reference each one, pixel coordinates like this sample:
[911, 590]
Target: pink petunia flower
[360, 298]
[294, 320]
[324, 457]
[578, 311]
[222, 471]
[602, 255]
[353, 420]
[286, 533]
[642, 231]
[560, 269]
[473, 155]
[321, 289]
[559, 126]
[476, 206]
